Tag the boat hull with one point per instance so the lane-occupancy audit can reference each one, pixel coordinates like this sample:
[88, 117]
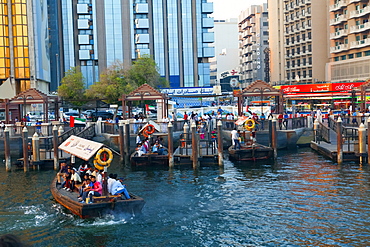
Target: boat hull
[251, 153]
[110, 205]
[152, 159]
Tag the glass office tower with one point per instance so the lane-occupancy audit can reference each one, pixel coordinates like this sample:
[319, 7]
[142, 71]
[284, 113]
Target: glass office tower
[24, 41]
[96, 33]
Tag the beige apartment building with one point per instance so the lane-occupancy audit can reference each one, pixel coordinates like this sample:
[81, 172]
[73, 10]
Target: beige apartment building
[299, 40]
[349, 40]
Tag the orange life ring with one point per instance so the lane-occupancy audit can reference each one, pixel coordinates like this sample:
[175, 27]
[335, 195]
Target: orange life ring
[149, 129]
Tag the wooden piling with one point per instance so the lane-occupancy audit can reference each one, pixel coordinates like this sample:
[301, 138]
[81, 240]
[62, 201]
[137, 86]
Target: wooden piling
[316, 130]
[171, 161]
[270, 132]
[220, 147]
[194, 144]
[35, 148]
[121, 140]
[55, 147]
[127, 142]
[274, 137]
[25, 149]
[60, 130]
[339, 142]
[8, 163]
[362, 142]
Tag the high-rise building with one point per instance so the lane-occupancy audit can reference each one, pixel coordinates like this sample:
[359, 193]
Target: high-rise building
[24, 46]
[226, 48]
[349, 40]
[96, 33]
[306, 40]
[254, 37]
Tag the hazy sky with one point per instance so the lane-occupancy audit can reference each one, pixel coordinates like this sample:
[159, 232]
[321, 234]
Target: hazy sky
[226, 9]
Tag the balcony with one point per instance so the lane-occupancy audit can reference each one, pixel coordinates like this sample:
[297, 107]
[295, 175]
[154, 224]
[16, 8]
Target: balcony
[207, 8]
[339, 34]
[339, 48]
[338, 20]
[360, 43]
[360, 12]
[360, 28]
[338, 6]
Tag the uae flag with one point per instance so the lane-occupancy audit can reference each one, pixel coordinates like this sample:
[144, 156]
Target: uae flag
[71, 121]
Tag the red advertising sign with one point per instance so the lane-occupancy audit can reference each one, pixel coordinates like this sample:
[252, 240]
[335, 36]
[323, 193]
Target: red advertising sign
[319, 88]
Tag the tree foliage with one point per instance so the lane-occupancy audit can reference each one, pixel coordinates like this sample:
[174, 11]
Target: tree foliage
[145, 70]
[112, 84]
[72, 87]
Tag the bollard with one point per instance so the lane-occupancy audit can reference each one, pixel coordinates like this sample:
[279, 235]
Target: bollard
[220, 147]
[368, 140]
[121, 140]
[60, 130]
[55, 147]
[362, 142]
[8, 164]
[171, 161]
[274, 137]
[270, 132]
[186, 131]
[35, 147]
[316, 130]
[25, 149]
[309, 122]
[126, 142]
[339, 142]
[194, 144]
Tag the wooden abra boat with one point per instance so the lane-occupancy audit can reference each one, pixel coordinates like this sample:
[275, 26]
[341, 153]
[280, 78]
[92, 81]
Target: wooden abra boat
[250, 152]
[102, 205]
[149, 159]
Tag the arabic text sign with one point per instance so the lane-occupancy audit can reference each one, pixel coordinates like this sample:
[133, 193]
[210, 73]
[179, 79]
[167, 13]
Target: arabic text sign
[80, 147]
[188, 91]
[321, 87]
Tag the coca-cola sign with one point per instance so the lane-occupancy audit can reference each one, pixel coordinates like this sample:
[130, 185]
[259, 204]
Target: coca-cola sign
[322, 87]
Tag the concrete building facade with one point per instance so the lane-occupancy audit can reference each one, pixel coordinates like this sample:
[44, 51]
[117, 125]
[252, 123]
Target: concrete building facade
[253, 37]
[24, 47]
[349, 40]
[306, 41]
[226, 48]
[96, 33]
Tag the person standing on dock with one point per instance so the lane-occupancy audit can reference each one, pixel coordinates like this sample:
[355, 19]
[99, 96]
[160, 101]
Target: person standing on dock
[2, 128]
[235, 138]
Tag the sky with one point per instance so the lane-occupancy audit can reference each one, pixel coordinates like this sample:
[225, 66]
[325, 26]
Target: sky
[226, 9]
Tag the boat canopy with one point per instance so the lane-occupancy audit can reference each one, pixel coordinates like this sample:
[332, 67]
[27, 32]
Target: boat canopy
[80, 147]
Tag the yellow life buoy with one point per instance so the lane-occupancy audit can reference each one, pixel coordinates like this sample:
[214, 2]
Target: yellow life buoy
[249, 124]
[102, 159]
[96, 164]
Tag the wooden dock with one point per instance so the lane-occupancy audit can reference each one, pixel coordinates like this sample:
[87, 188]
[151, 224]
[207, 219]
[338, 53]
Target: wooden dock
[207, 155]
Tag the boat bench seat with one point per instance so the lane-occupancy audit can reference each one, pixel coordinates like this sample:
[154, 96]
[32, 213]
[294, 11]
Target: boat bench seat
[104, 198]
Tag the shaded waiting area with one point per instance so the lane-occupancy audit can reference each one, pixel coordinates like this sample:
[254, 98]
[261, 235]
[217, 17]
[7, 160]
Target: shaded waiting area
[260, 89]
[29, 97]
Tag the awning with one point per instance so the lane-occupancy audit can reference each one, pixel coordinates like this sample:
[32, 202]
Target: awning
[80, 147]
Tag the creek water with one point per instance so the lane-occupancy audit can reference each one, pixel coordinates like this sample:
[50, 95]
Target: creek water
[301, 200]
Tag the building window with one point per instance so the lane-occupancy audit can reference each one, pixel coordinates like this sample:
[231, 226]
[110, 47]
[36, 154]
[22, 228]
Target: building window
[350, 56]
[310, 73]
[359, 54]
[336, 59]
[344, 57]
[367, 53]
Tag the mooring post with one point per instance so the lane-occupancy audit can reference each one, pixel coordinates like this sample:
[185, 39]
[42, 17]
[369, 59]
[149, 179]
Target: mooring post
[35, 147]
[194, 144]
[60, 130]
[362, 142]
[55, 147]
[126, 142]
[220, 146]
[121, 140]
[339, 141]
[171, 161]
[316, 130]
[8, 163]
[270, 132]
[274, 137]
[368, 140]
[25, 149]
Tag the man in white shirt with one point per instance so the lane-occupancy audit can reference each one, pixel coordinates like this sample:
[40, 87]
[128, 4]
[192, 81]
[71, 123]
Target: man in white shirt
[235, 138]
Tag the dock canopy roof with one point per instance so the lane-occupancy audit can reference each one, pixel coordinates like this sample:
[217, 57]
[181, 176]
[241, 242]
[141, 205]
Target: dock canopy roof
[256, 87]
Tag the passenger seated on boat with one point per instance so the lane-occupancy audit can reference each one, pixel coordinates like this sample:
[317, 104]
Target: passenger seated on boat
[110, 182]
[156, 147]
[96, 190]
[67, 179]
[90, 170]
[141, 149]
[83, 169]
[118, 188]
[97, 175]
[75, 179]
[63, 169]
[86, 184]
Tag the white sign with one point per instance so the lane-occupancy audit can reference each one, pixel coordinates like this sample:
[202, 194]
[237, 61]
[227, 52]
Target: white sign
[188, 91]
[80, 147]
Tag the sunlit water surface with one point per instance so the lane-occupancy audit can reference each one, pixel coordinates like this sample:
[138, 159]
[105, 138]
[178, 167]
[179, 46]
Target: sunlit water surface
[302, 200]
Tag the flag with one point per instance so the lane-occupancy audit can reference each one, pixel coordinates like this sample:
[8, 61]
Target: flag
[71, 121]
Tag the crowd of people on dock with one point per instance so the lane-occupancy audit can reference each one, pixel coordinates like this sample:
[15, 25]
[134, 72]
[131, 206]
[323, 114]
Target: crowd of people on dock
[88, 182]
